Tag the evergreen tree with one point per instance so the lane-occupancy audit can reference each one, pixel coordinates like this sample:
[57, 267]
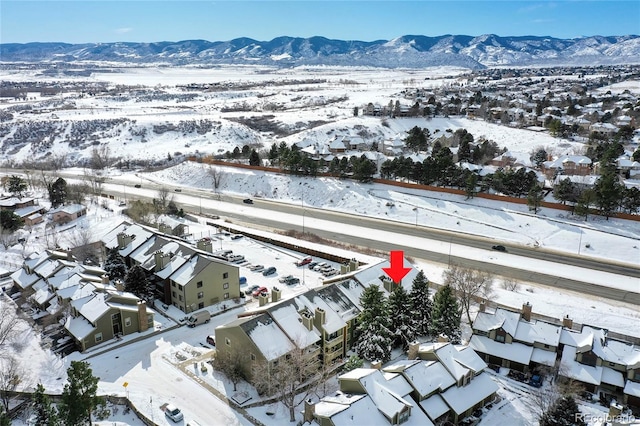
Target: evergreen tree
[470, 185]
[535, 197]
[114, 266]
[584, 203]
[9, 220]
[403, 325]
[421, 305]
[45, 413]
[4, 419]
[17, 186]
[273, 153]
[136, 282]
[608, 192]
[565, 190]
[58, 192]
[352, 363]
[373, 341]
[631, 200]
[445, 316]
[563, 412]
[254, 158]
[539, 157]
[79, 397]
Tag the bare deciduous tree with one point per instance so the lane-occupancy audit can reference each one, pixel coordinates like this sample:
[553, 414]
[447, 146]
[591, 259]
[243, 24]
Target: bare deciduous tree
[8, 329]
[51, 237]
[510, 284]
[11, 376]
[80, 240]
[231, 363]
[469, 284]
[162, 200]
[216, 174]
[100, 157]
[290, 378]
[8, 238]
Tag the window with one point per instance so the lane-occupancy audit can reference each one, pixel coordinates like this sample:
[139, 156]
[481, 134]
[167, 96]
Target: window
[200, 305]
[98, 337]
[180, 297]
[227, 341]
[612, 364]
[127, 322]
[179, 287]
[546, 346]
[173, 284]
[173, 293]
[200, 295]
[253, 357]
[501, 335]
[403, 417]
[226, 296]
[199, 284]
[225, 286]
[225, 275]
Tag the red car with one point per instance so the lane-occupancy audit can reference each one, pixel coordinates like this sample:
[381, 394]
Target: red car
[257, 292]
[304, 261]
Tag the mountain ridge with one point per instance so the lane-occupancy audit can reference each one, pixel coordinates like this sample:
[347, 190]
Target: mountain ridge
[410, 51]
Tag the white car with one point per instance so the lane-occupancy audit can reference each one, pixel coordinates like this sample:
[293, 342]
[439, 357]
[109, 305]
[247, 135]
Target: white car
[173, 413]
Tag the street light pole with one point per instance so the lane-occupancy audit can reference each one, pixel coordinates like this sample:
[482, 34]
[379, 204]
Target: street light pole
[415, 209]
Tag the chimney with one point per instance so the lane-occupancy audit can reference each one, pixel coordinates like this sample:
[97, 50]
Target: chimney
[353, 264]
[344, 269]
[414, 347]
[482, 306]
[307, 320]
[105, 279]
[161, 260]
[388, 285]
[143, 325]
[164, 228]
[119, 285]
[204, 244]
[275, 294]
[263, 299]
[309, 410]
[70, 256]
[376, 365]
[526, 311]
[124, 240]
[567, 322]
[320, 314]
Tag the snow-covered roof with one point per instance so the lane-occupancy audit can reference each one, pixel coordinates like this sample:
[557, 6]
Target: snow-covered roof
[268, 337]
[617, 352]
[502, 318]
[387, 395]
[47, 268]
[76, 291]
[632, 388]
[612, 377]
[329, 406]
[337, 299]
[429, 376]
[361, 412]
[543, 357]
[563, 160]
[516, 352]
[78, 327]
[188, 270]
[91, 307]
[372, 274]
[434, 406]
[460, 399]
[69, 209]
[27, 211]
[582, 340]
[538, 332]
[459, 361]
[287, 317]
[311, 300]
[23, 279]
[572, 369]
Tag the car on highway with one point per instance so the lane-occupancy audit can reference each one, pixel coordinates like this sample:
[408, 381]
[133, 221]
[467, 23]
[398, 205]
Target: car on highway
[178, 190]
[247, 201]
[137, 185]
[499, 248]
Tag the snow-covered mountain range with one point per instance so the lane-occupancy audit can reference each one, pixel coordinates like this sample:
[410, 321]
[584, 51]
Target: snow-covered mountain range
[410, 51]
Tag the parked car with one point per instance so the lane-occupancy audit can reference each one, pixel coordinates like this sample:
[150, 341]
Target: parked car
[211, 340]
[304, 261]
[257, 268]
[285, 278]
[173, 413]
[312, 265]
[251, 289]
[236, 236]
[499, 248]
[198, 318]
[292, 281]
[269, 271]
[259, 290]
[247, 201]
[535, 381]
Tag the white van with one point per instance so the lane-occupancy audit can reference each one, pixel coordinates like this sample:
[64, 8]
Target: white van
[198, 318]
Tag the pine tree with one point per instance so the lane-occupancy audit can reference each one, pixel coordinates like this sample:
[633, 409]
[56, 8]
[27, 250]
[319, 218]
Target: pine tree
[45, 413]
[58, 192]
[403, 325]
[79, 397]
[373, 341]
[535, 198]
[136, 282]
[563, 412]
[445, 317]
[17, 186]
[352, 363]
[421, 305]
[114, 266]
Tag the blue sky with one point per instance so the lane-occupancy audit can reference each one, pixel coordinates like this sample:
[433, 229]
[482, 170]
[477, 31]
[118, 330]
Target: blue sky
[83, 21]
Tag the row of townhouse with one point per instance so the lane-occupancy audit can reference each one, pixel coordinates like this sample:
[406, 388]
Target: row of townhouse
[320, 322]
[95, 310]
[187, 277]
[439, 383]
[603, 366]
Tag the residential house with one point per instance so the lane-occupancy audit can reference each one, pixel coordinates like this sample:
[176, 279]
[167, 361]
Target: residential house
[30, 215]
[13, 203]
[567, 165]
[65, 214]
[103, 316]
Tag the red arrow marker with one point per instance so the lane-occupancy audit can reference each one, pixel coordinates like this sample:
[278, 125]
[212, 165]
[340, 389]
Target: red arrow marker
[397, 271]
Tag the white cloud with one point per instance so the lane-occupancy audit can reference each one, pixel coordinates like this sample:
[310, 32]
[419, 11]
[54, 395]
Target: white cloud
[123, 30]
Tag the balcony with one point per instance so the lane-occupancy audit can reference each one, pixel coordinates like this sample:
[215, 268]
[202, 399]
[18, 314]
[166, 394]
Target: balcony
[334, 341]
